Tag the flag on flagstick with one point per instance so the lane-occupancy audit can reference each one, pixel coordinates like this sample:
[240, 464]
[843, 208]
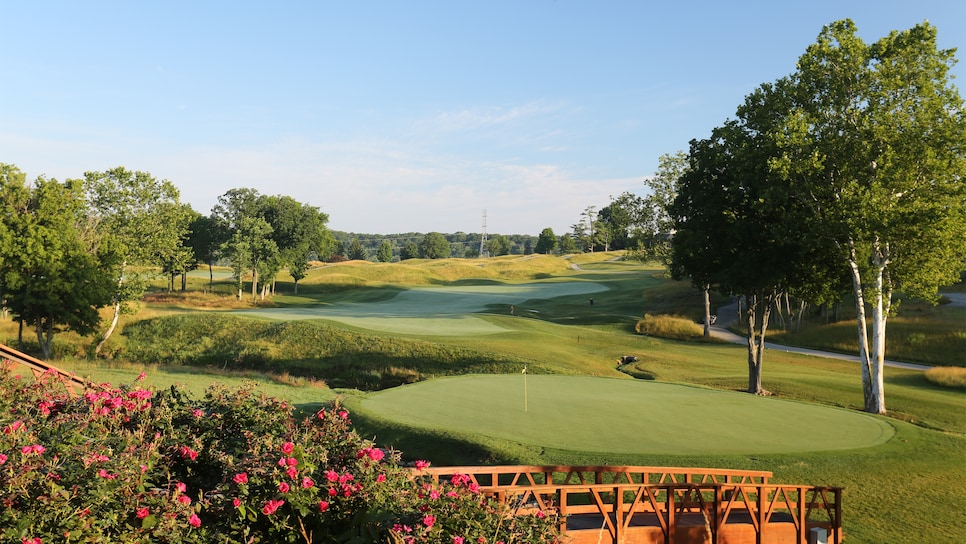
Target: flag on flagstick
[525, 404]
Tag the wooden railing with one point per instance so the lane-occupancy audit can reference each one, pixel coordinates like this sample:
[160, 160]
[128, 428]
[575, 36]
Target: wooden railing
[74, 384]
[642, 505]
[517, 475]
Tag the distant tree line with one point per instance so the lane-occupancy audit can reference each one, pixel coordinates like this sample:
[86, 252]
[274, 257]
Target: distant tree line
[432, 245]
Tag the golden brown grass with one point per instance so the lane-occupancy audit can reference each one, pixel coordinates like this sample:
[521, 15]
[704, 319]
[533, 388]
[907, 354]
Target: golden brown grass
[952, 377]
[669, 326]
[433, 272]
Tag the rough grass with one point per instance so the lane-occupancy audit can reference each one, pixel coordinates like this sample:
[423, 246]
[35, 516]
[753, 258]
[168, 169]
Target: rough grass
[308, 349]
[928, 336]
[669, 326]
[947, 376]
[347, 275]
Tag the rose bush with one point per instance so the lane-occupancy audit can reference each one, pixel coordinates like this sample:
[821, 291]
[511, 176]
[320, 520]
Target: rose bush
[130, 464]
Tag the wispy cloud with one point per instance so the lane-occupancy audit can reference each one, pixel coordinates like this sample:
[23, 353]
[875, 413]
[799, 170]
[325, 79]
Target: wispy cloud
[479, 117]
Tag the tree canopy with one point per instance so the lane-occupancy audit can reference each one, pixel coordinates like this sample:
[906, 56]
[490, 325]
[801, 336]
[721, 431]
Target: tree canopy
[50, 271]
[851, 166]
[143, 220]
[434, 246]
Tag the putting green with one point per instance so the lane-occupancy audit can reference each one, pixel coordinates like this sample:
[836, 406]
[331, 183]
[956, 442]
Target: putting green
[439, 311]
[582, 413]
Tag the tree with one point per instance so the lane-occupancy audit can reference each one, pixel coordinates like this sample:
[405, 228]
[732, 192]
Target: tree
[296, 231]
[180, 259]
[385, 252]
[206, 235]
[249, 247]
[355, 251]
[547, 242]
[584, 231]
[734, 224]
[299, 230]
[619, 220]
[874, 145]
[434, 246]
[409, 251]
[656, 221]
[568, 244]
[51, 277]
[142, 219]
[498, 244]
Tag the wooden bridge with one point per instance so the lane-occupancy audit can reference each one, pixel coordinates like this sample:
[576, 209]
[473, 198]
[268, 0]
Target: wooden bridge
[650, 505]
[74, 384]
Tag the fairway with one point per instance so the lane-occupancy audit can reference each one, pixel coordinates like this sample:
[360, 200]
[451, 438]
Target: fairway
[439, 311]
[590, 414]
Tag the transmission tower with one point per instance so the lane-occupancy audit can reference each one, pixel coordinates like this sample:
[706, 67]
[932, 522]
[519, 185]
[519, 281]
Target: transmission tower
[484, 252]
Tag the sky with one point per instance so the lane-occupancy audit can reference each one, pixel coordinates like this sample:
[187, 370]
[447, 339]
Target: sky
[403, 116]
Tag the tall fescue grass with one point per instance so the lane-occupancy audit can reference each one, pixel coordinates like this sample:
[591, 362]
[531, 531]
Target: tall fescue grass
[669, 326]
[340, 276]
[952, 377]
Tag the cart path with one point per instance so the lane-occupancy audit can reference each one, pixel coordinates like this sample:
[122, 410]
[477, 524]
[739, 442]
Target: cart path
[729, 314]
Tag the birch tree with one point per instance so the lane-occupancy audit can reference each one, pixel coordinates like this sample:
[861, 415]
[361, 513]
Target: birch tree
[143, 220]
[874, 144]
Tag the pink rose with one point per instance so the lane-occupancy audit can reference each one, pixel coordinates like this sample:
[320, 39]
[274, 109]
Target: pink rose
[194, 521]
[271, 507]
[241, 478]
[288, 448]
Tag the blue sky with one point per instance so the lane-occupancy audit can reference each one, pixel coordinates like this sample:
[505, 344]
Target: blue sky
[402, 116]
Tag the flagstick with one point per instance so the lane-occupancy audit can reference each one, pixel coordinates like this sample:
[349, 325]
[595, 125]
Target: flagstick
[525, 406]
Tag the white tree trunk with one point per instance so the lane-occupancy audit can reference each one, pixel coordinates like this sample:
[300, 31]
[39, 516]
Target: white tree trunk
[873, 388]
[110, 329]
[117, 313]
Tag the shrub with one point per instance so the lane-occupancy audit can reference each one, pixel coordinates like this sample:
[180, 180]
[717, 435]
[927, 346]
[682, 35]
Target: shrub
[126, 464]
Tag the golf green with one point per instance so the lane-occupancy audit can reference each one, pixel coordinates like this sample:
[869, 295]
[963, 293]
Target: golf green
[582, 413]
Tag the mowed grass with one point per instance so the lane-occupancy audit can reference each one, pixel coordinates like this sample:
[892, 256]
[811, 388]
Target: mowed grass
[623, 416]
[906, 489]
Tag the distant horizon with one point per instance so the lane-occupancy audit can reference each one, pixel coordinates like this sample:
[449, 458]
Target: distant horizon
[403, 117]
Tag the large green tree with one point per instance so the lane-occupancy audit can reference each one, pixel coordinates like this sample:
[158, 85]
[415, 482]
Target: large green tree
[874, 144]
[384, 255]
[546, 242]
[737, 229]
[434, 246]
[50, 272]
[143, 220]
[293, 232]
[206, 234]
